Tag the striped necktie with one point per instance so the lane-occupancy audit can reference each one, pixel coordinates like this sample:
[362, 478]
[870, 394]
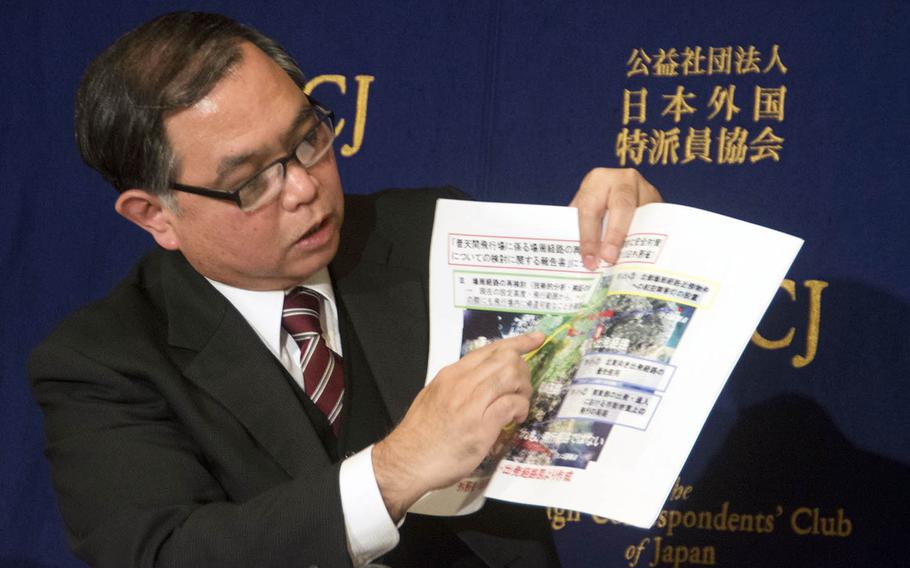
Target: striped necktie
[323, 377]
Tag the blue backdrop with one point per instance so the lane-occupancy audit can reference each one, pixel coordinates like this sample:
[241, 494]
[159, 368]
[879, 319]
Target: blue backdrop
[790, 115]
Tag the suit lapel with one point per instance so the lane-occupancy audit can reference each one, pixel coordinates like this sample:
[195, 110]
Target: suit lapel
[386, 306]
[386, 301]
[233, 366]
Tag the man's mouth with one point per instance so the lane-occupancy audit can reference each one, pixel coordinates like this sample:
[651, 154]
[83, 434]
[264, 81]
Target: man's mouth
[317, 236]
[313, 230]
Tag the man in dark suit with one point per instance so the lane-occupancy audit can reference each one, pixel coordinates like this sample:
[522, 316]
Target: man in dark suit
[181, 422]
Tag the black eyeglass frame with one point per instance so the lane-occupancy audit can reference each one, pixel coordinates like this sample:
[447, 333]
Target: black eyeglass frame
[322, 113]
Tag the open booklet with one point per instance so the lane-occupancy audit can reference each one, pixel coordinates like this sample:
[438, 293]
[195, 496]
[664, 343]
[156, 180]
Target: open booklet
[636, 353]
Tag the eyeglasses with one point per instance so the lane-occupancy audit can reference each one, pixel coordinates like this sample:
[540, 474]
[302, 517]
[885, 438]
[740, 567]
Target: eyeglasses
[266, 185]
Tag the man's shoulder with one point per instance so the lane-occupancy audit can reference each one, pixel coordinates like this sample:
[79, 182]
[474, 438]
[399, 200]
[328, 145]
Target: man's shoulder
[398, 205]
[132, 313]
[395, 224]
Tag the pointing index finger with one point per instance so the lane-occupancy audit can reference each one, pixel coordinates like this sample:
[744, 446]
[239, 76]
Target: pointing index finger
[522, 344]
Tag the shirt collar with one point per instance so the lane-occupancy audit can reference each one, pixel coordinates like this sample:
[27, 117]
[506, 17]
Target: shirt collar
[262, 308]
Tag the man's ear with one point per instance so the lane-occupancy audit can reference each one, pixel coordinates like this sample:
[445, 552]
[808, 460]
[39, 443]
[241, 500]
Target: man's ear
[148, 212]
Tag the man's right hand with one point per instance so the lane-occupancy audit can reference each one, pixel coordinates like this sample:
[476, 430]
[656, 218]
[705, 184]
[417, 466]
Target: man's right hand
[454, 421]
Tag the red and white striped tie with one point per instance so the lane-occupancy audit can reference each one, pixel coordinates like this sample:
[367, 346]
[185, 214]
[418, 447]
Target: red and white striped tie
[323, 377]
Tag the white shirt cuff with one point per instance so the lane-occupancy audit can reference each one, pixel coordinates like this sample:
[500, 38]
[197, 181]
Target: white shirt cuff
[370, 531]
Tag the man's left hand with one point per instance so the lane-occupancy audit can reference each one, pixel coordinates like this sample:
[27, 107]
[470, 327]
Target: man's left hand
[614, 191]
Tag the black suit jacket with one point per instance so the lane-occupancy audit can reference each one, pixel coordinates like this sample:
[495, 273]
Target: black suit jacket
[176, 438]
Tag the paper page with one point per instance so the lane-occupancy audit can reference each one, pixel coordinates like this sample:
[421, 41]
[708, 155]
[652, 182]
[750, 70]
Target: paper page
[636, 353]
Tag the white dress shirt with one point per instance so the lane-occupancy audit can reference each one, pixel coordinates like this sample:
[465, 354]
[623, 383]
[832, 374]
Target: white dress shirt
[370, 531]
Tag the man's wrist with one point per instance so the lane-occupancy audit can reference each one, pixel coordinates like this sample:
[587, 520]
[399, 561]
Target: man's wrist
[394, 477]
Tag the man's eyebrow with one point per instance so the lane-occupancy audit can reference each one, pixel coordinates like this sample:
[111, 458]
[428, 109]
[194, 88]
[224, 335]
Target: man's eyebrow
[230, 163]
[304, 114]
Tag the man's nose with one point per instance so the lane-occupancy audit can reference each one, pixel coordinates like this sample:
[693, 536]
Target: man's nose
[300, 186]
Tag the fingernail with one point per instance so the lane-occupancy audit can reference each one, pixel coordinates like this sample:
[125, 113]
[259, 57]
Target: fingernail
[611, 253]
[589, 261]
